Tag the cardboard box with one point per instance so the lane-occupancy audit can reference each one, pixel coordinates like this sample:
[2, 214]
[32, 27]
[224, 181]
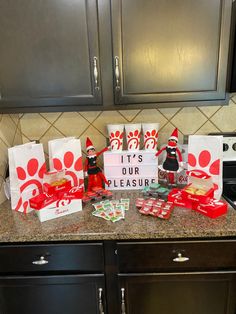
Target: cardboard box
[58, 209]
[200, 188]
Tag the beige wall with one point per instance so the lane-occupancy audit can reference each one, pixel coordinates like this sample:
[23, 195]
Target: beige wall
[15, 129]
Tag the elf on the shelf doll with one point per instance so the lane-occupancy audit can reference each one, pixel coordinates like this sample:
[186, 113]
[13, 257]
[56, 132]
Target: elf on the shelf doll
[95, 175]
[171, 164]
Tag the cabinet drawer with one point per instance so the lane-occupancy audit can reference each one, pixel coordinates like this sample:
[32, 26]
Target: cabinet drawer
[161, 256]
[83, 257]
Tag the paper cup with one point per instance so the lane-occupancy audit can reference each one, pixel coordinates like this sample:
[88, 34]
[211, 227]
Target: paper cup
[133, 134]
[150, 136]
[116, 135]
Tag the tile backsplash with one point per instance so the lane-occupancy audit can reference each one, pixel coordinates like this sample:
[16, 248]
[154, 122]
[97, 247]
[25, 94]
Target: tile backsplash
[16, 129]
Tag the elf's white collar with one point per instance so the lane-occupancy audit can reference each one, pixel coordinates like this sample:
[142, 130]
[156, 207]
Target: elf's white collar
[91, 156]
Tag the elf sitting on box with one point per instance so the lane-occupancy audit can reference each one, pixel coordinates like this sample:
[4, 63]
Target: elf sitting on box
[95, 175]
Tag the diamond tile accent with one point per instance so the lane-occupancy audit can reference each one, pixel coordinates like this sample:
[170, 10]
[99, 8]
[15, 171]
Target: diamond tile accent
[51, 134]
[209, 110]
[51, 117]
[7, 130]
[3, 157]
[207, 128]
[33, 125]
[71, 124]
[151, 115]
[15, 118]
[129, 115]
[90, 115]
[189, 120]
[169, 112]
[107, 117]
[224, 119]
[18, 138]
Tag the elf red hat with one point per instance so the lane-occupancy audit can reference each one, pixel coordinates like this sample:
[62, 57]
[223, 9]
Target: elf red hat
[89, 144]
[174, 135]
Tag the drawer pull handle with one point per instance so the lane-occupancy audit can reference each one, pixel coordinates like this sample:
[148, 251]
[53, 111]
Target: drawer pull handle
[180, 258]
[100, 301]
[41, 261]
[95, 72]
[117, 73]
[123, 301]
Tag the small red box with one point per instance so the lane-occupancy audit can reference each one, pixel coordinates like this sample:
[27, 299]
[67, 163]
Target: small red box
[42, 200]
[76, 192]
[177, 198]
[213, 209]
[49, 189]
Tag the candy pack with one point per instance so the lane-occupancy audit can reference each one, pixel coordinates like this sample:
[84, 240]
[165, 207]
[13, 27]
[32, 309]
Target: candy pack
[113, 210]
[156, 190]
[154, 207]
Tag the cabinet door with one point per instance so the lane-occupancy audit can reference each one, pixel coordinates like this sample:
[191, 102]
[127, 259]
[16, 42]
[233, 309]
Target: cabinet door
[178, 294]
[52, 295]
[49, 55]
[170, 51]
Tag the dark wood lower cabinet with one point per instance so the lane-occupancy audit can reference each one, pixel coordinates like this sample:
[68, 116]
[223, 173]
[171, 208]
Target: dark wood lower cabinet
[69, 294]
[125, 277]
[191, 293]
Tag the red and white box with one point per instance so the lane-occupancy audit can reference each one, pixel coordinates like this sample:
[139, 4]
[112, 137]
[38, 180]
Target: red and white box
[53, 206]
[213, 209]
[177, 198]
[200, 188]
[58, 209]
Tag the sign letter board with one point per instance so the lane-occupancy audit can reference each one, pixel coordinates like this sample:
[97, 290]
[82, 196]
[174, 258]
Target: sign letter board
[126, 170]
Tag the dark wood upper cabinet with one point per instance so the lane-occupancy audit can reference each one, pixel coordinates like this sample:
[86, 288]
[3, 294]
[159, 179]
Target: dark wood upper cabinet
[49, 53]
[170, 51]
[58, 55]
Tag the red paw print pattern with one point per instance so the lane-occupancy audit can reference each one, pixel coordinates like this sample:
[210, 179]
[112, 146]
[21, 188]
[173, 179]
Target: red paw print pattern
[133, 139]
[72, 165]
[150, 139]
[116, 140]
[204, 163]
[30, 179]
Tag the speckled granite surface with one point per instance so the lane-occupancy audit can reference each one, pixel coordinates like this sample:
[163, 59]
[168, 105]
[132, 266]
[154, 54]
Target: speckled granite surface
[184, 223]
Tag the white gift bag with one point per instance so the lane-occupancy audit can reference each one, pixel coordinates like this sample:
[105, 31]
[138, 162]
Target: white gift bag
[205, 153]
[65, 153]
[26, 170]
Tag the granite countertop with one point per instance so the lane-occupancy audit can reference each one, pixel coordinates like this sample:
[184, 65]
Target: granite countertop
[183, 223]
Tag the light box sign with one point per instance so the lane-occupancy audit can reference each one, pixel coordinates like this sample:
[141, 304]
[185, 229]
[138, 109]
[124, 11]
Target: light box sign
[130, 170]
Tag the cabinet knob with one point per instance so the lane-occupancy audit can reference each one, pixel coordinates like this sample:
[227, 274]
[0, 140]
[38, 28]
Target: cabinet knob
[100, 305]
[180, 258]
[41, 261]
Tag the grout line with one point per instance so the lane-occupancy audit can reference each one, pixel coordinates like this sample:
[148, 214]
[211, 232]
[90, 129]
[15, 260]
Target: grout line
[100, 112]
[51, 123]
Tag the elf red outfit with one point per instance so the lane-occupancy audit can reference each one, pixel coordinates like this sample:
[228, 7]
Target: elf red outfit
[95, 175]
[171, 163]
